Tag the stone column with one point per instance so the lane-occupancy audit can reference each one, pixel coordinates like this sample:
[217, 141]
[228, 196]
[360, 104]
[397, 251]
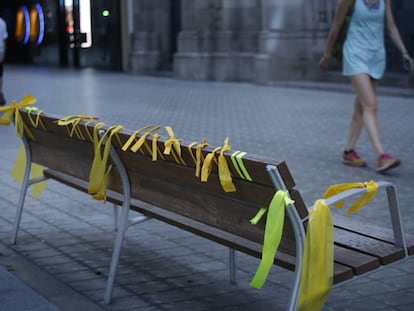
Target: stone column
[193, 57]
[150, 40]
[218, 40]
[292, 39]
[236, 38]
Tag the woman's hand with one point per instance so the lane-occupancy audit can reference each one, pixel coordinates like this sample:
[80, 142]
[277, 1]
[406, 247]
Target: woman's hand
[325, 62]
[408, 62]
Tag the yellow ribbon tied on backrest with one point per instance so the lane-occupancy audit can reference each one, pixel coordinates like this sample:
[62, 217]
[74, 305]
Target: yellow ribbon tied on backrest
[98, 177]
[208, 164]
[272, 235]
[72, 125]
[200, 157]
[143, 140]
[317, 269]
[223, 169]
[173, 146]
[13, 110]
[38, 121]
[132, 138]
[371, 187]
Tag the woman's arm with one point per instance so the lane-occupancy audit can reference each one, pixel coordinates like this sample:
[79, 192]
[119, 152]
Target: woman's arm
[395, 36]
[342, 10]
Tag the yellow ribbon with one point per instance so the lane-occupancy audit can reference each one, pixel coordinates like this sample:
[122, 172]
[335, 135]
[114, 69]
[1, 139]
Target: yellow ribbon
[14, 110]
[133, 136]
[143, 140]
[36, 172]
[173, 145]
[318, 259]
[272, 236]
[238, 164]
[98, 177]
[223, 169]
[372, 189]
[190, 151]
[199, 156]
[72, 122]
[38, 120]
[208, 163]
[155, 150]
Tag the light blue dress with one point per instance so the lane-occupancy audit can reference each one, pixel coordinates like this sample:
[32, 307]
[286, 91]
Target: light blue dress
[364, 50]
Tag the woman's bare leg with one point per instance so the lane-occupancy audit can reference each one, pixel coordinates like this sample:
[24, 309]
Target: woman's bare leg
[355, 126]
[365, 90]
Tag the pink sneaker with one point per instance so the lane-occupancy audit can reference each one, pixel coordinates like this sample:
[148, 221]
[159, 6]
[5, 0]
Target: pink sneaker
[387, 162]
[352, 158]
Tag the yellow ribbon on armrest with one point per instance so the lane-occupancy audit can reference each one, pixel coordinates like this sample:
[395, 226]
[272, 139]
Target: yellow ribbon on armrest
[272, 235]
[317, 269]
[318, 260]
[372, 189]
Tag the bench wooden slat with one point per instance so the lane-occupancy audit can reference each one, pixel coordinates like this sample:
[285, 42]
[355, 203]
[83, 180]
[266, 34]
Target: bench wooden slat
[359, 262]
[386, 252]
[370, 230]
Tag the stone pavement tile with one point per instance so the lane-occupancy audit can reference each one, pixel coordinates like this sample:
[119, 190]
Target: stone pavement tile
[15, 295]
[46, 285]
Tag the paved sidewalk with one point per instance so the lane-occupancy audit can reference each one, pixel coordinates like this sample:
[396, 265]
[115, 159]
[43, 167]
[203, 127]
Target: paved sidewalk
[65, 241]
[15, 295]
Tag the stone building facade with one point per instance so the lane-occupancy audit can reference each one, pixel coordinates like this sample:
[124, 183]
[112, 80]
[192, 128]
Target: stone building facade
[238, 40]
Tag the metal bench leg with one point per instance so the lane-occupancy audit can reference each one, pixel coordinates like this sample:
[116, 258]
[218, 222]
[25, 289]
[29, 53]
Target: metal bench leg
[23, 191]
[232, 265]
[396, 219]
[20, 204]
[115, 212]
[123, 225]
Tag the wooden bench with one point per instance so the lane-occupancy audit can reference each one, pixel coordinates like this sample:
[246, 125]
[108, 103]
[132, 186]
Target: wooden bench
[169, 191]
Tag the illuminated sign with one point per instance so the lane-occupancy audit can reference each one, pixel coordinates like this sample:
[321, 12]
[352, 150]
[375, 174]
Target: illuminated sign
[30, 25]
[22, 32]
[37, 22]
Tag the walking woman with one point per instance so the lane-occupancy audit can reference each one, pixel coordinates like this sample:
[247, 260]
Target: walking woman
[364, 64]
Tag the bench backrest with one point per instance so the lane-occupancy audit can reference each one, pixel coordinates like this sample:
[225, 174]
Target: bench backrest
[171, 185]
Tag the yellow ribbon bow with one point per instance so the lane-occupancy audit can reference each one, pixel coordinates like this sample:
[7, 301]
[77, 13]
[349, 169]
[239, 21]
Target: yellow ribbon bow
[317, 269]
[272, 236]
[173, 145]
[13, 110]
[372, 189]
